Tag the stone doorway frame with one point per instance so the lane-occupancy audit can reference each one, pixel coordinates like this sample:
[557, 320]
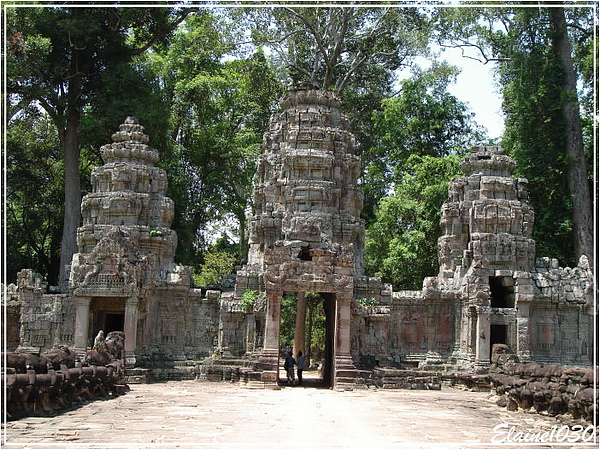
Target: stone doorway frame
[82, 326]
[340, 359]
[329, 308]
[99, 308]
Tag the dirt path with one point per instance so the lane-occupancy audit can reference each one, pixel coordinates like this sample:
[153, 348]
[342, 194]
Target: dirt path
[192, 414]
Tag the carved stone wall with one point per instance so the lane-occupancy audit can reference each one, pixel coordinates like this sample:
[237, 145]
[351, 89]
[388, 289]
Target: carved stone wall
[46, 320]
[10, 303]
[561, 313]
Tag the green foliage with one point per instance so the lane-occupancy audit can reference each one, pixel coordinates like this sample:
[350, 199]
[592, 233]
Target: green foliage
[219, 109]
[421, 135]
[314, 327]
[129, 89]
[367, 301]
[425, 120]
[60, 59]
[248, 300]
[216, 264]
[287, 319]
[534, 136]
[34, 192]
[401, 244]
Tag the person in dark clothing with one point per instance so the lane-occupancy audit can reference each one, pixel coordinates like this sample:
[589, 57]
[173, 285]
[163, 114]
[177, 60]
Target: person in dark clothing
[288, 365]
[300, 364]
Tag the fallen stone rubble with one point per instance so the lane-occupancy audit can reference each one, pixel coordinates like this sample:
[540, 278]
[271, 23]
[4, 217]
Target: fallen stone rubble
[552, 389]
[40, 385]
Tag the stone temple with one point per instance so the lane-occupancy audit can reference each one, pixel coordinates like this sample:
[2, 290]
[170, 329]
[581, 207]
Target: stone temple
[307, 236]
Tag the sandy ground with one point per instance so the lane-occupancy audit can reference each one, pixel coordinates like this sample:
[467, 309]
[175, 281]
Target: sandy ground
[200, 415]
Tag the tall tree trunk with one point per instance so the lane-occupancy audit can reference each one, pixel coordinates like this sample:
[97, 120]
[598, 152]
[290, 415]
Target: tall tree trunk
[577, 170]
[299, 330]
[72, 213]
[309, 334]
[243, 236]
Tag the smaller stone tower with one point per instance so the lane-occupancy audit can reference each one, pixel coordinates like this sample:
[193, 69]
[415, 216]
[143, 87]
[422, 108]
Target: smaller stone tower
[125, 244]
[485, 254]
[487, 218]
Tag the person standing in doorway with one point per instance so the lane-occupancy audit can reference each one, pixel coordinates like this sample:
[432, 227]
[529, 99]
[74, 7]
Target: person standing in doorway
[288, 365]
[300, 364]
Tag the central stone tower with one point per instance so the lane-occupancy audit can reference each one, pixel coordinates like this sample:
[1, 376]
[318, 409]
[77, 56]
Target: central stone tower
[306, 232]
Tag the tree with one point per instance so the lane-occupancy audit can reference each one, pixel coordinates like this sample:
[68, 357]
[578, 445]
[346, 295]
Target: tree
[287, 319]
[422, 134]
[544, 131]
[33, 192]
[332, 48]
[216, 264]
[533, 50]
[401, 244]
[423, 119]
[219, 109]
[57, 58]
[573, 141]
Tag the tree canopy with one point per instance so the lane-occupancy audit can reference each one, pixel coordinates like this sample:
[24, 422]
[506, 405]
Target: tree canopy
[542, 53]
[59, 59]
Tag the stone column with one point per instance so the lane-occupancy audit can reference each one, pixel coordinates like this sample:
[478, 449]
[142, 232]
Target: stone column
[82, 323]
[269, 359]
[461, 330]
[482, 346]
[250, 333]
[300, 322]
[344, 369]
[523, 349]
[342, 326]
[131, 319]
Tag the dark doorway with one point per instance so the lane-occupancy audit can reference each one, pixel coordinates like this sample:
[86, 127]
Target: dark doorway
[106, 314]
[498, 335]
[502, 292]
[113, 322]
[329, 308]
[319, 335]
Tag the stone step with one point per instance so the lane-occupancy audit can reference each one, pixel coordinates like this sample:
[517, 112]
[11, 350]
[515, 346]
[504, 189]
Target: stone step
[345, 386]
[254, 384]
[347, 373]
[186, 363]
[138, 376]
[252, 376]
[230, 360]
[350, 380]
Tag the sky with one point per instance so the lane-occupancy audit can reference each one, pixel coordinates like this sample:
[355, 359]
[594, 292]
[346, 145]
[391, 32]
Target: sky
[475, 87]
